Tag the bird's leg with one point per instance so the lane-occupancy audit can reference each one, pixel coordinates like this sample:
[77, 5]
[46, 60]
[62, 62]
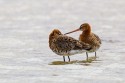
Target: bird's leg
[64, 58]
[95, 54]
[87, 56]
[69, 58]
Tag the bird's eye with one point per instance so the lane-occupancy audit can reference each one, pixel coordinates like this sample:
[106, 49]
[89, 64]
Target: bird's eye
[81, 26]
[59, 33]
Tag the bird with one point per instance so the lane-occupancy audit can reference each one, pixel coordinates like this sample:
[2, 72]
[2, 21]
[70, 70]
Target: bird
[66, 46]
[88, 37]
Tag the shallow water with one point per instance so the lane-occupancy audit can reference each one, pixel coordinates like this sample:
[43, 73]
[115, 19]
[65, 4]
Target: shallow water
[24, 29]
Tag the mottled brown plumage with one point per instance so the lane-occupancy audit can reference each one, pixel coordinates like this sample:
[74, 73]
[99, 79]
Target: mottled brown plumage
[64, 45]
[88, 37]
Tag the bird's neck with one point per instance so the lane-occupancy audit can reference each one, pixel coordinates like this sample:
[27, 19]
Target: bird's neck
[87, 31]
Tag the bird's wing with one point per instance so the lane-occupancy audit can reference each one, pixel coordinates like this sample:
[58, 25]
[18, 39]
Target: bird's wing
[69, 43]
[99, 40]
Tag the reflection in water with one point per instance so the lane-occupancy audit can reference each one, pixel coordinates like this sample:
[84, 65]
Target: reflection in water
[82, 62]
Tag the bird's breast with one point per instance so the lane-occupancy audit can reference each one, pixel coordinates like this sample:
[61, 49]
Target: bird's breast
[91, 40]
[72, 52]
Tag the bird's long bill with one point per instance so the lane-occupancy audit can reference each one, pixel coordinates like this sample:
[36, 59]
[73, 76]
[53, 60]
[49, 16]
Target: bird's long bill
[72, 31]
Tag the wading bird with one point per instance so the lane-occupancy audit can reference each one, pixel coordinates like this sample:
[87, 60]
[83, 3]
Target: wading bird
[88, 37]
[65, 46]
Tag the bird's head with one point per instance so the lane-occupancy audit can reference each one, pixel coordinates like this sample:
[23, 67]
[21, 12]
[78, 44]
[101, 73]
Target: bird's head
[55, 33]
[84, 27]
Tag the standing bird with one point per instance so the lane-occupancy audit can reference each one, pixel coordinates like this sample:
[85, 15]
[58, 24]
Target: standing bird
[88, 37]
[66, 46]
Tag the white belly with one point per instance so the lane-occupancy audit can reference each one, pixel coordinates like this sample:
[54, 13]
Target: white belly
[76, 52]
[93, 49]
[72, 52]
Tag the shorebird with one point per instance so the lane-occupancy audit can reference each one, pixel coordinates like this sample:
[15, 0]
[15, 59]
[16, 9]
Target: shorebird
[88, 37]
[65, 46]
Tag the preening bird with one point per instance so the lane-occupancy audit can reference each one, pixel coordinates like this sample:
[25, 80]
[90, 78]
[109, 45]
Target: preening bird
[66, 46]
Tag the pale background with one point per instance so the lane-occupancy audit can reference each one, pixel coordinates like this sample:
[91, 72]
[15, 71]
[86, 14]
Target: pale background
[24, 29]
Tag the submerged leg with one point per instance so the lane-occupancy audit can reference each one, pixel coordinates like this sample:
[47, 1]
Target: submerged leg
[64, 58]
[69, 58]
[87, 56]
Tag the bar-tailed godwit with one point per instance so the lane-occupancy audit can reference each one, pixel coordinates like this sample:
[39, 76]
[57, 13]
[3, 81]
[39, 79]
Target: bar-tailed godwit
[88, 37]
[65, 46]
